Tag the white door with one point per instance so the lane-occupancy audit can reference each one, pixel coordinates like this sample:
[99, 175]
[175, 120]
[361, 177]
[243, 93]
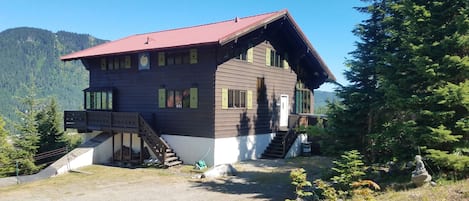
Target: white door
[284, 110]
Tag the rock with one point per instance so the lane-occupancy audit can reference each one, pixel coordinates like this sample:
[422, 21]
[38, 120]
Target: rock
[197, 176]
[421, 180]
[220, 171]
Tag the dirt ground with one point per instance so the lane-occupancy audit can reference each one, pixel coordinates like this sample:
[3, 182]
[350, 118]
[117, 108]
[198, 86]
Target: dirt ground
[256, 180]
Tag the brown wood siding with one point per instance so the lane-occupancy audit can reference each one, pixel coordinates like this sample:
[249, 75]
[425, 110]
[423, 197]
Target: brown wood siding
[242, 75]
[137, 91]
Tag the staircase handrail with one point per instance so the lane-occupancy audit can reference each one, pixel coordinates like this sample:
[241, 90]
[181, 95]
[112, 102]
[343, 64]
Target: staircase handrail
[151, 137]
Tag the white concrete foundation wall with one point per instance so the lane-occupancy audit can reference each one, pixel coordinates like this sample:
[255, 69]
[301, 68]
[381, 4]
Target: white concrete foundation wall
[295, 149]
[103, 152]
[234, 149]
[77, 158]
[218, 151]
[192, 149]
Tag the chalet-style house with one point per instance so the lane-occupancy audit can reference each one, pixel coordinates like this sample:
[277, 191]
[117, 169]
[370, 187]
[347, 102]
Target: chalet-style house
[218, 92]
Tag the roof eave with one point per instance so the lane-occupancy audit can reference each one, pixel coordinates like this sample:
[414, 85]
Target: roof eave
[311, 49]
[71, 58]
[239, 33]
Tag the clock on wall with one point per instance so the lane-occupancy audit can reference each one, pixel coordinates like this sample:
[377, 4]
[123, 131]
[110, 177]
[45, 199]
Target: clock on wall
[143, 61]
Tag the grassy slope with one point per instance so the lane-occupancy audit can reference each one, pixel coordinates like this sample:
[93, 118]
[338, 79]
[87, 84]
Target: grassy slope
[454, 191]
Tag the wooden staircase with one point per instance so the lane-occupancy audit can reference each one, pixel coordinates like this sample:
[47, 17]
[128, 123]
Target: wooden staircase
[157, 145]
[280, 145]
[276, 148]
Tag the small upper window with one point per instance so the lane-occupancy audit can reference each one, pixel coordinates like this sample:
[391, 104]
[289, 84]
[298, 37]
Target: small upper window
[115, 63]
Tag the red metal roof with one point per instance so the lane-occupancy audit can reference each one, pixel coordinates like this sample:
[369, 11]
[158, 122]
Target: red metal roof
[220, 32]
[215, 33]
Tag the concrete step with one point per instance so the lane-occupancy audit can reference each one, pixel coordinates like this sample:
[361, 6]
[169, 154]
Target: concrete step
[173, 163]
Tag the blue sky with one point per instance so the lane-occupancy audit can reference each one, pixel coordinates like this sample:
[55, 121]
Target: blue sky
[326, 23]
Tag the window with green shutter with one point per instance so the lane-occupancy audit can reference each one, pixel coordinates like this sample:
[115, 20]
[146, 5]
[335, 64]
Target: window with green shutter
[224, 98]
[162, 98]
[194, 96]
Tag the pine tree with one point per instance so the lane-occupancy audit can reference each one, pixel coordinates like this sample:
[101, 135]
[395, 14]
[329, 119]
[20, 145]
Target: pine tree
[27, 139]
[409, 88]
[6, 167]
[426, 83]
[357, 117]
[51, 136]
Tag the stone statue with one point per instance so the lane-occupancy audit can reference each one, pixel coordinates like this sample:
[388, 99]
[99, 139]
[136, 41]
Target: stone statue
[420, 175]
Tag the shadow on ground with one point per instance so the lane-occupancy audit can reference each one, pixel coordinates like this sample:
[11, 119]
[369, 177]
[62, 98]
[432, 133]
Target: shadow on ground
[261, 185]
[265, 179]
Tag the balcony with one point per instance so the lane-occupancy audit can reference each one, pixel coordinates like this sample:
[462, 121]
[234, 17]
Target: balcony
[85, 121]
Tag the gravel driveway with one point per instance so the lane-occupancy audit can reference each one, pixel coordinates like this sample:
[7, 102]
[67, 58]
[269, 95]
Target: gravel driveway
[256, 180]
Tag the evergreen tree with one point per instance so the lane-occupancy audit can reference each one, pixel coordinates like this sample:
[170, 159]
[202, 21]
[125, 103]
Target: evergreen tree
[27, 139]
[354, 121]
[51, 136]
[426, 81]
[6, 167]
[409, 86]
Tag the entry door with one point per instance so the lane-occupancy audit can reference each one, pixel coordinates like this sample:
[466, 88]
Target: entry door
[284, 110]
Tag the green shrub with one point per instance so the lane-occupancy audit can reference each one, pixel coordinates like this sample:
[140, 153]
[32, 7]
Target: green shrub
[298, 177]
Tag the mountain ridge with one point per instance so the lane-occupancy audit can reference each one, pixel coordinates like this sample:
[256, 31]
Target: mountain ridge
[29, 54]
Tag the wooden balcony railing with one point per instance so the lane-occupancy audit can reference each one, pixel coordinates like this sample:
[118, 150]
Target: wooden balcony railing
[132, 122]
[104, 121]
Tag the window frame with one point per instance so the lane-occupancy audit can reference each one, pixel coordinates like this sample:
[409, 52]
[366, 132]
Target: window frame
[180, 98]
[237, 99]
[99, 99]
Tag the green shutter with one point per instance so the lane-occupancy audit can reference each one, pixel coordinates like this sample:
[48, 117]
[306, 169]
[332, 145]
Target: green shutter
[161, 98]
[193, 56]
[161, 59]
[88, 100]
[103, 64]
[224, 98]
[128, 62]
[249, 99]
[285, 62]
[250, 54]
[267, 57]
[194, 98]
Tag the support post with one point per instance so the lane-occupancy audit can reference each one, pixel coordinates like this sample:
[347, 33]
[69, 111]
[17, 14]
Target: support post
[122, 147]
[130, 147]
[141, 150]
[113, 147]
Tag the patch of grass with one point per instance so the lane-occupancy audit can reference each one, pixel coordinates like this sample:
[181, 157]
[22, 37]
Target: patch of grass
[97, 175]
[455, 191]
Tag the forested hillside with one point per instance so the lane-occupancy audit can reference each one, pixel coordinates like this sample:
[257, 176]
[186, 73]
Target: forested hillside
[321, 98]
[30, 54]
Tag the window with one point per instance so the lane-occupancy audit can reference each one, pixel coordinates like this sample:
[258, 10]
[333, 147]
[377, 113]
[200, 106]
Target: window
[246, 54]
[96, 99]
[115, 63]
[177, 58]
[303, 101]
[236, 98]
[274, 58]
[261, 90]
[186, 98]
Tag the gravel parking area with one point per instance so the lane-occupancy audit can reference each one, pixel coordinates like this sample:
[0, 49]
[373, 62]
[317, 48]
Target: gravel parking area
[256, 180]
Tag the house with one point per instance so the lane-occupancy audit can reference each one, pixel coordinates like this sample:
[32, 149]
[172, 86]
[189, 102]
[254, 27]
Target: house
[217, 92]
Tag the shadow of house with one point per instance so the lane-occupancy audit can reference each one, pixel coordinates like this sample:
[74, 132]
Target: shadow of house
[260, 185]
[267, 114]
[244, 128]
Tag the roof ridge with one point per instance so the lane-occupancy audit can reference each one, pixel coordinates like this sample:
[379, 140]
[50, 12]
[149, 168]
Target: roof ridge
[201, 25]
